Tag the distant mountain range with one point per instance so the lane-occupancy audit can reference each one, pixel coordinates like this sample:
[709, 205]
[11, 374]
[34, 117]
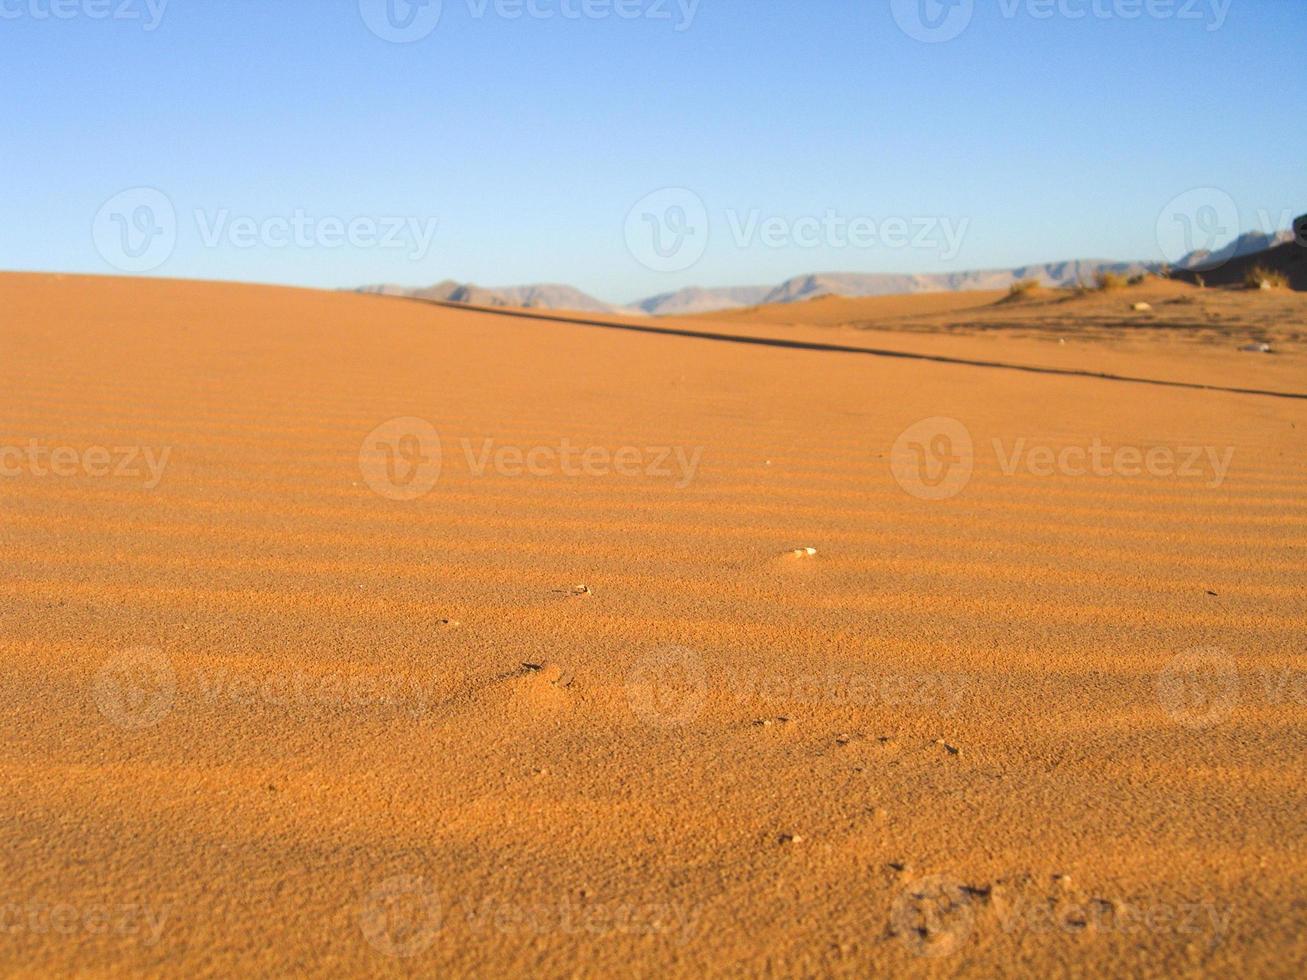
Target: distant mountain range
[1247, 244]
[877, 284]
[1284, 252]
[695, 299]
[546, 296]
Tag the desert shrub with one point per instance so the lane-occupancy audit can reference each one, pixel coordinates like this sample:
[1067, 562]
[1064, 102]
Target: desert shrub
[1260, 277]
[1110, 280]
[1024, 287]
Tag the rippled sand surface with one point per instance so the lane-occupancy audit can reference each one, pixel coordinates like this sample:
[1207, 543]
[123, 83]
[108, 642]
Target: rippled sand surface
[350, 635]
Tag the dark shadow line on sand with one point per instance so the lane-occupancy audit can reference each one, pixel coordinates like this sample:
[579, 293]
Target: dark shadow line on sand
[849, 349]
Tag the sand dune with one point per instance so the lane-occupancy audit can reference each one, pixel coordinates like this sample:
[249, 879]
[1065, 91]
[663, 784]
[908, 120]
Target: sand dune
[290, 687]
[1182, 333]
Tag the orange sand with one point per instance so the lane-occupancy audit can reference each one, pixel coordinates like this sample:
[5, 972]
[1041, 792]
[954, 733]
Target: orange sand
[263, 719]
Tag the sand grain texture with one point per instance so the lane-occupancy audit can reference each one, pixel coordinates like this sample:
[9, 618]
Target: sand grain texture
[1050, 725]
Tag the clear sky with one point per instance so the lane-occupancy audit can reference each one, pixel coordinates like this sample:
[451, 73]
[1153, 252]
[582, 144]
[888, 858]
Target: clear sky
[1032, 135]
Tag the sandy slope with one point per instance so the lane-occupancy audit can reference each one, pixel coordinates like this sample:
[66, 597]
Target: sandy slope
[264, 718]
[1185, 334]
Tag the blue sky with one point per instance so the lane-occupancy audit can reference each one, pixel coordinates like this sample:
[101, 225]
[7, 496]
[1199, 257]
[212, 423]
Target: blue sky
[529, 139]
